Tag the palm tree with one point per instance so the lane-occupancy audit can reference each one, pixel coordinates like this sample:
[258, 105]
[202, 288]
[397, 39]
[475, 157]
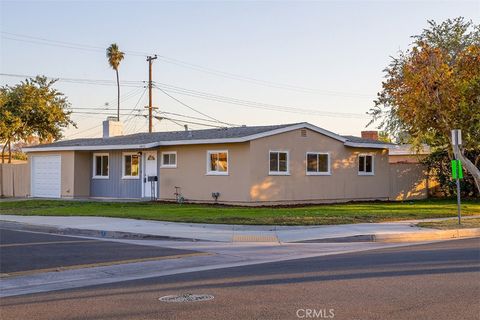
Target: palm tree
[114, 56]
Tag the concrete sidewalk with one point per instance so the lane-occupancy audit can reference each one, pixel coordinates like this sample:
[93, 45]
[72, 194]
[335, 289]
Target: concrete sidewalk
[128, 228]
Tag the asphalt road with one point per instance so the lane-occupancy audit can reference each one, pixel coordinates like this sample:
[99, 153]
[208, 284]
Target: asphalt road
[23, 252]
[431, 281]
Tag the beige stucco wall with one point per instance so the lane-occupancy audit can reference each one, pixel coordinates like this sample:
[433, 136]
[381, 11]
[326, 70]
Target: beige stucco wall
[344, 183]
[191, 173]
[409, 181]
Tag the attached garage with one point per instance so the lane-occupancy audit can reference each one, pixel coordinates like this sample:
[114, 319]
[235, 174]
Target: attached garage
[46, 176]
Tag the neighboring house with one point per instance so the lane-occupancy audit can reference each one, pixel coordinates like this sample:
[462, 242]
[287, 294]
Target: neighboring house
[292, 163]
[406, 165]
[405, 153]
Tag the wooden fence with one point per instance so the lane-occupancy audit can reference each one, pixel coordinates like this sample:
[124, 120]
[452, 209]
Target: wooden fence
[14, 179]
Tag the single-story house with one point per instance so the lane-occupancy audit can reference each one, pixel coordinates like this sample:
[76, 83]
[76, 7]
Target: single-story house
[277, 164]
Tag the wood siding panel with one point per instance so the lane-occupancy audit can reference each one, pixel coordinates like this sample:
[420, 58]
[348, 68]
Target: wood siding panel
[115, 186]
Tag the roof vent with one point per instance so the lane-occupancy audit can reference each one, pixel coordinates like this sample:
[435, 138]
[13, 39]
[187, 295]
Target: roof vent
[303, 132]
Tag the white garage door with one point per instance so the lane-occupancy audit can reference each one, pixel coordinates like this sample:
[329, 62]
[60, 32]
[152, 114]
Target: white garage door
[46, 176]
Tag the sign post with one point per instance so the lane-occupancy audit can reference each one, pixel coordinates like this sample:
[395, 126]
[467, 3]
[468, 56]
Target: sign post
[457, 172]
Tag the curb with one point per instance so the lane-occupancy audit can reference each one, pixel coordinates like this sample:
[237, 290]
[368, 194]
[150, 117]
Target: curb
[402, 237]
[428, 235]
[88, 232]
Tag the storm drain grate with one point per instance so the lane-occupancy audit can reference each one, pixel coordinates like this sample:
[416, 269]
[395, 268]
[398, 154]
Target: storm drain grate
[188, 297]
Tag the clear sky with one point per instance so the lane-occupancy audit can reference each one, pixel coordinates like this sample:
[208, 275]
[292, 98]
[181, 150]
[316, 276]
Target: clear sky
[325, 57]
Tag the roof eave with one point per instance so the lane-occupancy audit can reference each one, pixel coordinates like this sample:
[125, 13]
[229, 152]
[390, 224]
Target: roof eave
[190, 142]
[367, 145]
[91, 148]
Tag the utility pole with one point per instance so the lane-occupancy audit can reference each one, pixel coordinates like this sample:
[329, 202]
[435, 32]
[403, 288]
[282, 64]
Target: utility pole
[150, 107]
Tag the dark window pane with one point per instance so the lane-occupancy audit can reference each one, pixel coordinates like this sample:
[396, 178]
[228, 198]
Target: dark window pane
[128, 165]
[323, 163]
[368, 167]
[98, 165]
[173, 159]
[311, 163]
[361, 163]
[105, 166]
[273, 161]
[282, 162]
[166, 159]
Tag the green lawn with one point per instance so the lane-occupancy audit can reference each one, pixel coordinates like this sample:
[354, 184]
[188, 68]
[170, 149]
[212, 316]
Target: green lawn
[305, 215]
[451, 224]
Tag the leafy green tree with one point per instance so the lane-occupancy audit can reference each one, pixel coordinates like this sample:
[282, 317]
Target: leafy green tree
[115, 56]
[434, 87]
[32, 108]
[384, 137]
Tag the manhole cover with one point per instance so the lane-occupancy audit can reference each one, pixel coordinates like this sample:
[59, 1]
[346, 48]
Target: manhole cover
[188, 297]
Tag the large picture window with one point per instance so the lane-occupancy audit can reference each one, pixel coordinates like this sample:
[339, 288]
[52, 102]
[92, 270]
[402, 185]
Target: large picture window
[278, 163]
[318, 163]
[365, 164]
[100, 165]
[217, 162]
[131, 165]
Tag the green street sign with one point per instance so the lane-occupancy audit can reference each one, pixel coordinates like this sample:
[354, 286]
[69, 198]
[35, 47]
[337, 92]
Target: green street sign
[457, 172]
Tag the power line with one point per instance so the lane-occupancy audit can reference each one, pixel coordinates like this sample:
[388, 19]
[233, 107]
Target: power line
[270, 84]
[185, 121]
[56, 43]
[254, 104]
[83, 131]
[196, 67]
[126, 83]
[195, 118]
[131, 116]
[192, 108]
[217, 98]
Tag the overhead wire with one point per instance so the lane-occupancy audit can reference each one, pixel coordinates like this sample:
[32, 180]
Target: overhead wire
[194, 109]
[192, 66]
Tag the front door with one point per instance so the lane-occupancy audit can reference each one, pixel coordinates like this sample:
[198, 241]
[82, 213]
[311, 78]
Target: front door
[150, 175]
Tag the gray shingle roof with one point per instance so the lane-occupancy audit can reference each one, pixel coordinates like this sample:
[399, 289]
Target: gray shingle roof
[146, 138]
[234, 134]
[362, 140]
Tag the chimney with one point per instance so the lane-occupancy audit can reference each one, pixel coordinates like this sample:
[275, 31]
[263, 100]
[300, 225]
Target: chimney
[112, 127]
[370, 135]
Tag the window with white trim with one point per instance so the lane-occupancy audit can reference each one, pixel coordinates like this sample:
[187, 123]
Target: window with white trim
[169, 159]
[278, 163]
[100, 165]
[318, 163]
[131, 165]
[217, 162]
[365, 164]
